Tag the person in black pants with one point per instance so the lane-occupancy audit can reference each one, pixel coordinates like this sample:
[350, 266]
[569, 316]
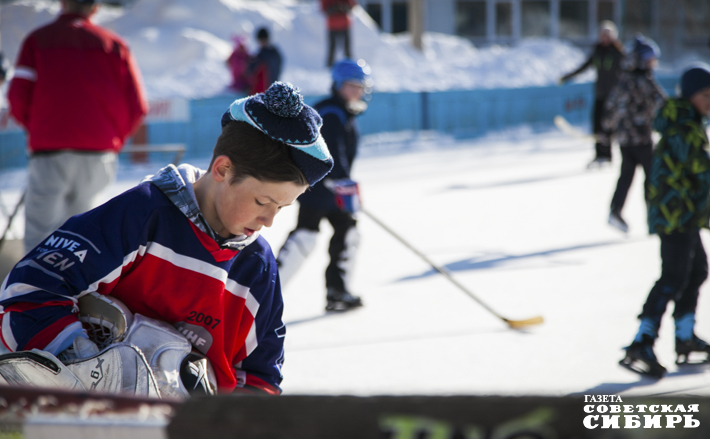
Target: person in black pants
[335, 198]
[606, 59]
[630, 111]
[679, 206]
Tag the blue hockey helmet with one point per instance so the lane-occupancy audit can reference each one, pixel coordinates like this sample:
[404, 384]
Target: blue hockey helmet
[348, 70]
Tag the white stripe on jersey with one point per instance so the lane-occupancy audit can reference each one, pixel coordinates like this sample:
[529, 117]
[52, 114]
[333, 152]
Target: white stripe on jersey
[25, 72]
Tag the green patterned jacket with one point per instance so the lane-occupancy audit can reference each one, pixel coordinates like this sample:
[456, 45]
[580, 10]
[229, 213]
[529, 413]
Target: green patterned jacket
[679, 188]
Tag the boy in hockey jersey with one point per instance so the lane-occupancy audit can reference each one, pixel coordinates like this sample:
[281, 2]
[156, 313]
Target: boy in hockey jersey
[679, 206]
[183, 248]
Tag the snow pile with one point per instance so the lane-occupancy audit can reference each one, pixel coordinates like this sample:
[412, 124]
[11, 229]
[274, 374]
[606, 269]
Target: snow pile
[181, 47]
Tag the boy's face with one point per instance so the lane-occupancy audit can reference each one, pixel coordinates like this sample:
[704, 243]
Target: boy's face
[605, 37]
[245, 207]
[352, 91]
[701, 101]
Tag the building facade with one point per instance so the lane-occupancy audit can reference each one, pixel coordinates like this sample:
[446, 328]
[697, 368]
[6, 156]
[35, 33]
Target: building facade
[678, 26]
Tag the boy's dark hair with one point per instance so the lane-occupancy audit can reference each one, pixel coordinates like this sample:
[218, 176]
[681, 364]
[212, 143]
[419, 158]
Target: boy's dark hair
[254, 154]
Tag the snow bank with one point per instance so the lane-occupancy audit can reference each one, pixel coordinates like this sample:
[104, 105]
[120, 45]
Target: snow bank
[181, 47]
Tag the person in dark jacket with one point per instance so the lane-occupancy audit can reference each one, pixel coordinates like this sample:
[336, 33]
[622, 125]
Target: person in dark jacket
[606, 59]
[336, 198]
[629, 114]
[265, 68]
[679, 206]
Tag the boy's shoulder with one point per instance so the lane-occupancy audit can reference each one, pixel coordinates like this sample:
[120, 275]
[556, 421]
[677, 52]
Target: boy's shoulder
[261, 249]
[140, 199]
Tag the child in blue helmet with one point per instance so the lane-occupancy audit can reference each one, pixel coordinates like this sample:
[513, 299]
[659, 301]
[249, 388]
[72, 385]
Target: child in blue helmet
[679, 206]
[336, 197]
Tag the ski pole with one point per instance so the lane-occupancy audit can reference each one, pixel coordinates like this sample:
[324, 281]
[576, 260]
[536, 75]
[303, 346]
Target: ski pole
[515, 324]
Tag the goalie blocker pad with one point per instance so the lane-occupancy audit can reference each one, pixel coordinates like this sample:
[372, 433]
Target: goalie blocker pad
[178, 370]
[120, 368]
[140, 356]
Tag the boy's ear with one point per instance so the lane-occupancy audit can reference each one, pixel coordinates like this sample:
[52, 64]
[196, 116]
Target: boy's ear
[221, 168]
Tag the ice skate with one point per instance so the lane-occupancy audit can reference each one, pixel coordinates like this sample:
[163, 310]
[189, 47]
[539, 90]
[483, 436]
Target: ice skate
[341, 300]
[599, 163]
[641, 359]
[692, 351]
[617, 221]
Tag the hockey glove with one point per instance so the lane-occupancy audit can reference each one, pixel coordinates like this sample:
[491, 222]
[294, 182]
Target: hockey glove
[347, 194]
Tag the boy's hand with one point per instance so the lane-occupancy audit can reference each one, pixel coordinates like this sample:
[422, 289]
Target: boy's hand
[347, 194]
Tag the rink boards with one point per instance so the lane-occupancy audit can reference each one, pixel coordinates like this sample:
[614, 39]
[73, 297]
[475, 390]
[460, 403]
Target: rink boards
[55, 414]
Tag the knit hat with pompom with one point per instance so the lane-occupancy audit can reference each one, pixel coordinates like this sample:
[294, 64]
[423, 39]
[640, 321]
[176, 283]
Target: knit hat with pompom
[280, 113]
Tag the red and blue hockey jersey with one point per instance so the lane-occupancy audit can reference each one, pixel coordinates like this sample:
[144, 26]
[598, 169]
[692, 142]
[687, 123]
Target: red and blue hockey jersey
[151, 248]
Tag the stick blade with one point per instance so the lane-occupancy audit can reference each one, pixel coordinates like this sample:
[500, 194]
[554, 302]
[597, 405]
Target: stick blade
[516, 324]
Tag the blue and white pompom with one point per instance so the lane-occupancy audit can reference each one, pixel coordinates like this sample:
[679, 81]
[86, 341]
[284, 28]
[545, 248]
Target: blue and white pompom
[283, 99]
[281, 114]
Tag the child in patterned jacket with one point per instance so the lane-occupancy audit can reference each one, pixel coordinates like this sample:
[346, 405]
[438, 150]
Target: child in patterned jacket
[679, 206]
[630, 110]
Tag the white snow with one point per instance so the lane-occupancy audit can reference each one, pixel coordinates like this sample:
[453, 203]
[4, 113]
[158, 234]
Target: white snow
[514, 216]
[181, 47]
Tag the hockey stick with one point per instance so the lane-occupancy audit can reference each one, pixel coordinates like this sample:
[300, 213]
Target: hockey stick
[515, 324]
[563, 125]
[11, 217]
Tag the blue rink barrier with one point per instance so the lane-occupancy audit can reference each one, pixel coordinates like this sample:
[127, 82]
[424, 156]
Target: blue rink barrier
[460, 113]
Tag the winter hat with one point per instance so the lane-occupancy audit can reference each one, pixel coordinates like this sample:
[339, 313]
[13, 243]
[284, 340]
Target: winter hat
[694, 79]
[610, 27]
[645, 49]
[348, 70]
[280, 113]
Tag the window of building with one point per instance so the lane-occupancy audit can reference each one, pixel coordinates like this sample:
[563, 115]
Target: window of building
[605, 10]
[504, 19]
[697, 19]
[535, 18]
[471, 18]
[637, 17]
[374, 10]
[574, 18]
[399, 17]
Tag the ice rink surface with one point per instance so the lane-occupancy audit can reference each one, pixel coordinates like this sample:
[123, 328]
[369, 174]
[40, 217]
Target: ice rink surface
[518, 220]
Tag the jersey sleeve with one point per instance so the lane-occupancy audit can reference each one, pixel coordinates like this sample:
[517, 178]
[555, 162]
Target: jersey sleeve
[333, 132]
[137, 103]
[21, 89]
[87, 253]
[258, 366]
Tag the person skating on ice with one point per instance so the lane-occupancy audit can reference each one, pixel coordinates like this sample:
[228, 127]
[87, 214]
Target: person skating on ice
[679, 207]
[606, 60]
[336, 198]
[629, 114]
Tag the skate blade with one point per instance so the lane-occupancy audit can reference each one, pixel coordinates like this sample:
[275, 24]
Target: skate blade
[340, 307]
[617, 225]
[699, 359]
[598, 165]
[642, 368]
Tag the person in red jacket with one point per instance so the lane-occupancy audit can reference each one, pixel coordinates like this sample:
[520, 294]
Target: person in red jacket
[78, 93]
[338, 22]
